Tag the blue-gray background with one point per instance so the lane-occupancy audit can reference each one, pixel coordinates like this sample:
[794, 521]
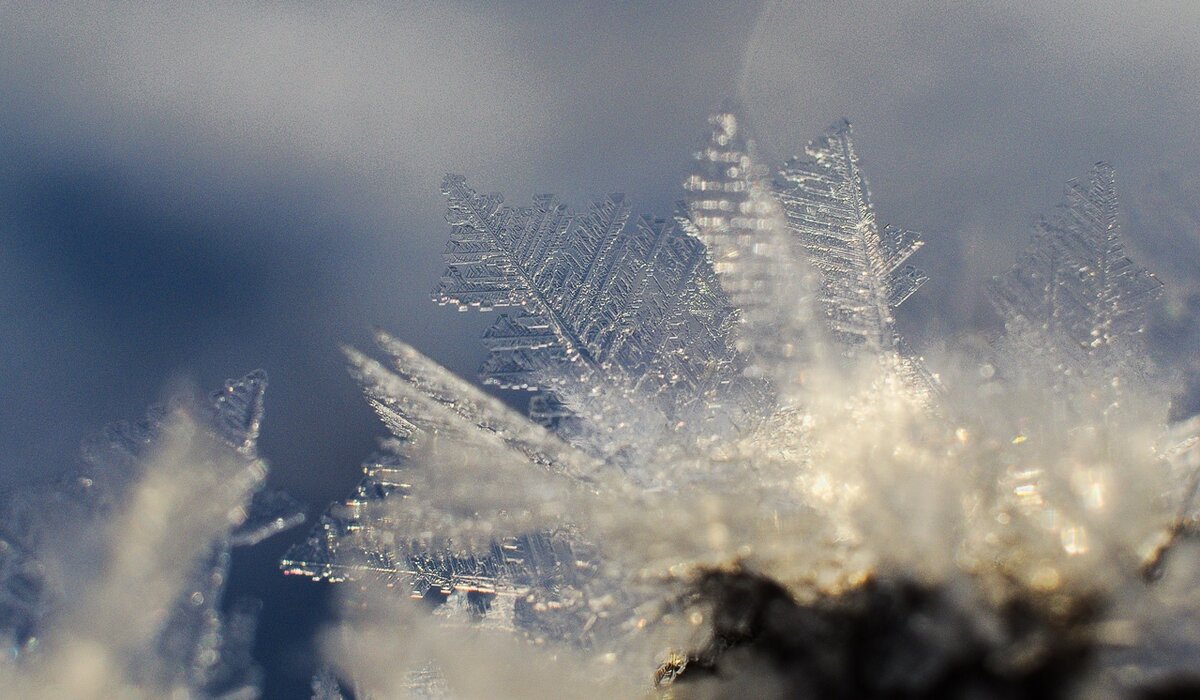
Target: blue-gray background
[189, 191]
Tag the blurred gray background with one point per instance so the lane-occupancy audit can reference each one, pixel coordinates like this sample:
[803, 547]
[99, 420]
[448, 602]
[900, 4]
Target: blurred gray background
[189, 191]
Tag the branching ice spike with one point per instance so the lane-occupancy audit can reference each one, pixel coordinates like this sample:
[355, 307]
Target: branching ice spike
[862, 268]
[618, 308]
[1074, 300]
[732, 210]
[423, 395]
[1075, 309]
[238, 410]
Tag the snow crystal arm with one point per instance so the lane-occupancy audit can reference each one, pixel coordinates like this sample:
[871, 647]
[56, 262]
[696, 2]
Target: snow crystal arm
[732, 211]
[540, 258]
[898, 244]
[905, 281]
[236, 417]
[478, 271]
[238, 410]
[422, 395]
[1074, 295]
[269, 513]
[599, 302]
[524, 353]
[863, 275]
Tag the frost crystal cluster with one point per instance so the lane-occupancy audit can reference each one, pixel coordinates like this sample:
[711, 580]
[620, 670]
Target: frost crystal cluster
[111, 579]
[626, 333]
[725, 421]
[733, 479]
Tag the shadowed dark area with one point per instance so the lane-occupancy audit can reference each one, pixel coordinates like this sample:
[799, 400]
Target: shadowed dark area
[883, 639]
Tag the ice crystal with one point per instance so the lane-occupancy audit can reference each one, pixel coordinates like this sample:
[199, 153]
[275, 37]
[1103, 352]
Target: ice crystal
[629, 325]
[803, 244]
[144, 527]
[1075, 307]
[600, 304]
[732, 210]
[862, 268]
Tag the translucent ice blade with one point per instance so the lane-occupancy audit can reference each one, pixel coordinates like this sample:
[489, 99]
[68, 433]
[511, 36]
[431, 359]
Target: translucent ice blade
[238, 410]
[733, 211]
[601, 302]
[423, 395]
[1075, 307]
[861, 271]
[269, 513]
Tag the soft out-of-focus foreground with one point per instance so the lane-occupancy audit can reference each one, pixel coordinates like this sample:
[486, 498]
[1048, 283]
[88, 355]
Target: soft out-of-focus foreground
[113, 576]
[193, 191]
